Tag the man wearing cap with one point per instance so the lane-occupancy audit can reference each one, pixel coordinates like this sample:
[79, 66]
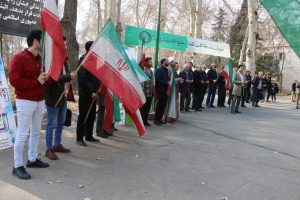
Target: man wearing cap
[88, 85]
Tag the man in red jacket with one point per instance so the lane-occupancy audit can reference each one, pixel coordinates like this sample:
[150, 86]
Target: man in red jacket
[29, 82]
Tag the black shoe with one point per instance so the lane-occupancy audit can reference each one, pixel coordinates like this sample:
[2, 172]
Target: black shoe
[257, 106]
[147, 124]
[108, 133]
[219, 106]
[161, 122]
[297, 107]
[199, 110]
[38, 163]
[207, 106]
[81, 143]
[114, 129]
[21, 173]
[247, 102]
[92, 139]
[237, 111]
[212, 106]
[201, 107]
[156, 123]
[102, 134]
[233, 112]
[244, 106]
[223, 106]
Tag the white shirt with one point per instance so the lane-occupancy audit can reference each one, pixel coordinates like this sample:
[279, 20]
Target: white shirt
[242, 77]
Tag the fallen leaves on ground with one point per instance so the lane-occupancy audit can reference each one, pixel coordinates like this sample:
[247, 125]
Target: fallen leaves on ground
[49, 182]
[40, 154]
[88, 198]
[59, 181]
[98, 158]
[80, 186]
[224, 198]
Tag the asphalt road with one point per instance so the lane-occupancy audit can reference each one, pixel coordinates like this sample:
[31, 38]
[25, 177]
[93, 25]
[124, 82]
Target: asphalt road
[203, 156]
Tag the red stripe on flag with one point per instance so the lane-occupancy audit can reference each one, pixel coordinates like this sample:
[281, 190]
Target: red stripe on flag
[108, 118]
[224, 73]
[50, 23]
[137, 121]
[118, 84]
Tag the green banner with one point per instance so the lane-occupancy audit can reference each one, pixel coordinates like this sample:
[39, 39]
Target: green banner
[286, 16]
[134, 36]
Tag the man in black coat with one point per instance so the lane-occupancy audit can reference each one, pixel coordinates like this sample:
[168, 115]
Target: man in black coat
[204, 85]
[257, 86]
[248, 88]
[294, 91]
[197, 88]
[221, 91]
[185, 88]
[161, 86]
[88, 85]
[212, 78]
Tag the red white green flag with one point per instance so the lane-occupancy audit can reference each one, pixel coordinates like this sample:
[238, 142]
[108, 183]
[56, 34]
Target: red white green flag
[54, 46]
[108, 61]
[228, 74]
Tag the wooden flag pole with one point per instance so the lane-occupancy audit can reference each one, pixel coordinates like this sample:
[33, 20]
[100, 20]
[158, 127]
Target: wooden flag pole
[61, 96]
[87, 115]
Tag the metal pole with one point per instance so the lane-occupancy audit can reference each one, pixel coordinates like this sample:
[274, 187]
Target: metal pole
[157, 38]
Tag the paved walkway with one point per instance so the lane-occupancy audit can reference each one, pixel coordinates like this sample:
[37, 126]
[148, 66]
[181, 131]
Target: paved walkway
[203, 156]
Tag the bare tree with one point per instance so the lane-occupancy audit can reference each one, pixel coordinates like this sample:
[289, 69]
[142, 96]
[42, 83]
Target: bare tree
[68, 25]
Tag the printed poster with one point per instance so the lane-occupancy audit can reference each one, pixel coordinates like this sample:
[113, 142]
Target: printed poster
[8, 129]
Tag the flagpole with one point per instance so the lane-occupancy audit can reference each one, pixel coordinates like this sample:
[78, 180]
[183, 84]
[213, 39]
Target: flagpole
[43, 50]
[62, 94]
[88, 113]
[157, 38]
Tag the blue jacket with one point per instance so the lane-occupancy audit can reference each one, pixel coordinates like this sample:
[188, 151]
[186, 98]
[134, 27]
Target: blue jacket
[182, 74]
[161, 79]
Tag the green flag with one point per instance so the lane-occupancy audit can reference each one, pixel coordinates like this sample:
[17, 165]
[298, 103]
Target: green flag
[286, 16]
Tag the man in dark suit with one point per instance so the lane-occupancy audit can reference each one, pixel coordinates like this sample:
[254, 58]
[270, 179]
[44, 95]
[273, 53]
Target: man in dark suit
[148, 88]
[221, 91]
[257, 86]
[197, 88]
[204, 85]
[248, 88]
[212, 78]
[185, 88]
[161, 86]
[88, 85]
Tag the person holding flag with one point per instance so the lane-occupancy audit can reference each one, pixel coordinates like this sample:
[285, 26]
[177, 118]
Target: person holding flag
[56, 116]
[30, 83]
[88, 86]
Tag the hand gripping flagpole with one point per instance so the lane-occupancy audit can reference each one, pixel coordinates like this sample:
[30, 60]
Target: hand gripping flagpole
[87, 115]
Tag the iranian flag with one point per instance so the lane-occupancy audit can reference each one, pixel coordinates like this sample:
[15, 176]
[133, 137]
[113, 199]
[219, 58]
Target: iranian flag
[108, 61]
[142, 56]
[172, 111]
[228, 74]
[54, 46]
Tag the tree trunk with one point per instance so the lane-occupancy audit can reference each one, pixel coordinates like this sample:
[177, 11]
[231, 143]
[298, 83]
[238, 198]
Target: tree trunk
[236, 28]
[118, 23]
[281, 70]
[137, 13]
[244, 47]
[112, 11]
[99, 22]
[250, 53]
[105, 10]
[68, 25]
[198, 28]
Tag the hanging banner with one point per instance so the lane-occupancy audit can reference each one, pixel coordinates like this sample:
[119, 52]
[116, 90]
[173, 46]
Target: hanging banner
[134, 36]
[18, 17]
[7, 119]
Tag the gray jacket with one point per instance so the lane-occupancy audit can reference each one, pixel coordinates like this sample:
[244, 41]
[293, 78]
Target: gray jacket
[237, 88]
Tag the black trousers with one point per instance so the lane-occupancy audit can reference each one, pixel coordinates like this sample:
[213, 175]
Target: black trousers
[255, 97]
[162, 98]
[221, 97]
[196, 100]
[202, 96]
[185, 97]
[85, 129]
[145, 109]
[243, 96]
[100, 118]
[248, 90]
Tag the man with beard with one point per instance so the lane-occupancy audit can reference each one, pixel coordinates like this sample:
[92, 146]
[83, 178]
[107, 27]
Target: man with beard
[204, 85]
[161, 86]
[185, 88]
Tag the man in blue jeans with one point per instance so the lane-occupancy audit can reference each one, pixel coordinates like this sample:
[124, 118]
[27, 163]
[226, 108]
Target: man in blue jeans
[56, 115]
[212, 78]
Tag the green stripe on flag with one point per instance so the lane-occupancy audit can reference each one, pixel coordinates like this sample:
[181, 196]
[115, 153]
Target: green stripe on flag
[117, 114]
[230, 73]
[285, 13]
